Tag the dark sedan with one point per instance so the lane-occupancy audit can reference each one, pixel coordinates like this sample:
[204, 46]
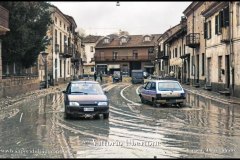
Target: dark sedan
[85, 98]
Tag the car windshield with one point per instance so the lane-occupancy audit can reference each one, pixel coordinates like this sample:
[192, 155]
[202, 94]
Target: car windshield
[86, 88]
[169, 86]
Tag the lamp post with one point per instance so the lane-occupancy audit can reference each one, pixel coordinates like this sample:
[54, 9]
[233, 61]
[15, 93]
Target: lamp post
[44, 55]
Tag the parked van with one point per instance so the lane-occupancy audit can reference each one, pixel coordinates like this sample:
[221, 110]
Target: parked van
[137, 76]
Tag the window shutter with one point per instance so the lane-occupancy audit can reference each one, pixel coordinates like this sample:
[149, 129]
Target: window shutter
[226, 16]
[210, 29]
[221, 22]
[216, 24]
[205, 30]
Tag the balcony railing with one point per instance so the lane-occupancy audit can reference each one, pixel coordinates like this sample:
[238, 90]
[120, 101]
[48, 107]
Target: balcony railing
[68, 52]
[4, 19]
[193, 40]
[125, 58]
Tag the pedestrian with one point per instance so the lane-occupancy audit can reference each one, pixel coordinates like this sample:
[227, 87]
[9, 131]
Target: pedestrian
[100, 76]
[95, 76]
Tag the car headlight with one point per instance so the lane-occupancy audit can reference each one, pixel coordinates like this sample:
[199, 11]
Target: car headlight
[102, 103]
[73, 104]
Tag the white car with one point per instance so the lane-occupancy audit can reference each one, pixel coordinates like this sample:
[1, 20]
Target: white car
[162, 92]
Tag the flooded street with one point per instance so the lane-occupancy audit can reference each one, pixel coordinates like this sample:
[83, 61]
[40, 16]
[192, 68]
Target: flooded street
[202, 128]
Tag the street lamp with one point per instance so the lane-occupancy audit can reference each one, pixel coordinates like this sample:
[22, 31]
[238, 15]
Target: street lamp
[44, 55]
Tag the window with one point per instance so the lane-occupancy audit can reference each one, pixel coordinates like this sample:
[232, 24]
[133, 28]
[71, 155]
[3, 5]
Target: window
[176, 52]
[153, 86]
[148, 86]
[184, 49]
[147, 38]
[92, 69]
[91, 49]
[238, 13]
[123, 40]
[55, 36]
[135, 54]
[60, 68]
[180, 51]
[64, 26]
[193, 67]
[207, 30]
[225, 13]
[219, 68]
[203, 64]
[68, 67]
[218, 29]
[106, 40]
[60, 23]
[56, 20]
[60, 42]
[115, 55]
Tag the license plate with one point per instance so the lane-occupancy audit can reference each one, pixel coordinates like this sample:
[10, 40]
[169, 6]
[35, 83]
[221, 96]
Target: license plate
[88, 109]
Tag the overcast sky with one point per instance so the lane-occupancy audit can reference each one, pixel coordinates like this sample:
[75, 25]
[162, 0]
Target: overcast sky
[102, 18]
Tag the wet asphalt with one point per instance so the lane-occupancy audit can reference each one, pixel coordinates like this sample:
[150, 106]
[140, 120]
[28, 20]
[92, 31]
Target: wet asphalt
[203, 128]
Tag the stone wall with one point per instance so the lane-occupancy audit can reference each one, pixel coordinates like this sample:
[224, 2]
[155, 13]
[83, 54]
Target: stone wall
[18, 85]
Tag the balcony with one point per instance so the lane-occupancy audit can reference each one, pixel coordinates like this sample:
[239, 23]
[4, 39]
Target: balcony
[68, 52]
[4, 20]
[193, 40]
[161, 55]
[225, 37]
[125, 58]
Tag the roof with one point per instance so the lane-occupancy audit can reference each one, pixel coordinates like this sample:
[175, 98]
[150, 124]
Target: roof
[132, 41]
[91, 39]
[71, 19]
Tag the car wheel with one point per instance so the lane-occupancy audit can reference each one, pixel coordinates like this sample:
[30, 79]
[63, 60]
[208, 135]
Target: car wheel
[142, 99]
[97, 116]
[67, 115]
[154, 102]
[106, 115]
[180, 105]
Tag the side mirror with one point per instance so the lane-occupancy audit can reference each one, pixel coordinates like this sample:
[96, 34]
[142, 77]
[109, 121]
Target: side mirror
[64, 92]
[105, 92]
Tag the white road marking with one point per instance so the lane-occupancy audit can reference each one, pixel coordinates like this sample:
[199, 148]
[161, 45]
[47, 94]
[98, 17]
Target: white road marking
[21, 118]
[138, 89]
[126, 98]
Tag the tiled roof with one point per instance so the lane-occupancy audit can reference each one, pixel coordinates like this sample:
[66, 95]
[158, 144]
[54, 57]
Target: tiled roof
[91, 39]
[132, 41]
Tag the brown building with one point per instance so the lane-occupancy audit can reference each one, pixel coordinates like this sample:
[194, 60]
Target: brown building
[126, 53]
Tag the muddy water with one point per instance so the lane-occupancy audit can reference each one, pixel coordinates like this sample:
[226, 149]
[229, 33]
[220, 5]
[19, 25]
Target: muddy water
[203, 128]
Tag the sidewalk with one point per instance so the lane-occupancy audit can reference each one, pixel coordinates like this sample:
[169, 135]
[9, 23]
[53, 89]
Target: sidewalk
[9, 101]
[211, 94]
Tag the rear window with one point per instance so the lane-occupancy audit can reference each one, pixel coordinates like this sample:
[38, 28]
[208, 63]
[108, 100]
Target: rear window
[137, 74]
[169, 86]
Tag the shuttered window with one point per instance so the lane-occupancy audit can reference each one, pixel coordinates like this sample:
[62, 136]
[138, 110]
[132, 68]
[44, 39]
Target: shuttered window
[205, 30]
[226, 17]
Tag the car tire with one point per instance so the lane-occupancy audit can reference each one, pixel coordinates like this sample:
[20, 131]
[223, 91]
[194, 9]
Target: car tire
[142, 99]
[154, 102]
[180, 105]
[97, 116]
[67, 115]
[106, 115]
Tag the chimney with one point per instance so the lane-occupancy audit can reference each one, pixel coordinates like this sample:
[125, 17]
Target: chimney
[183, 20]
